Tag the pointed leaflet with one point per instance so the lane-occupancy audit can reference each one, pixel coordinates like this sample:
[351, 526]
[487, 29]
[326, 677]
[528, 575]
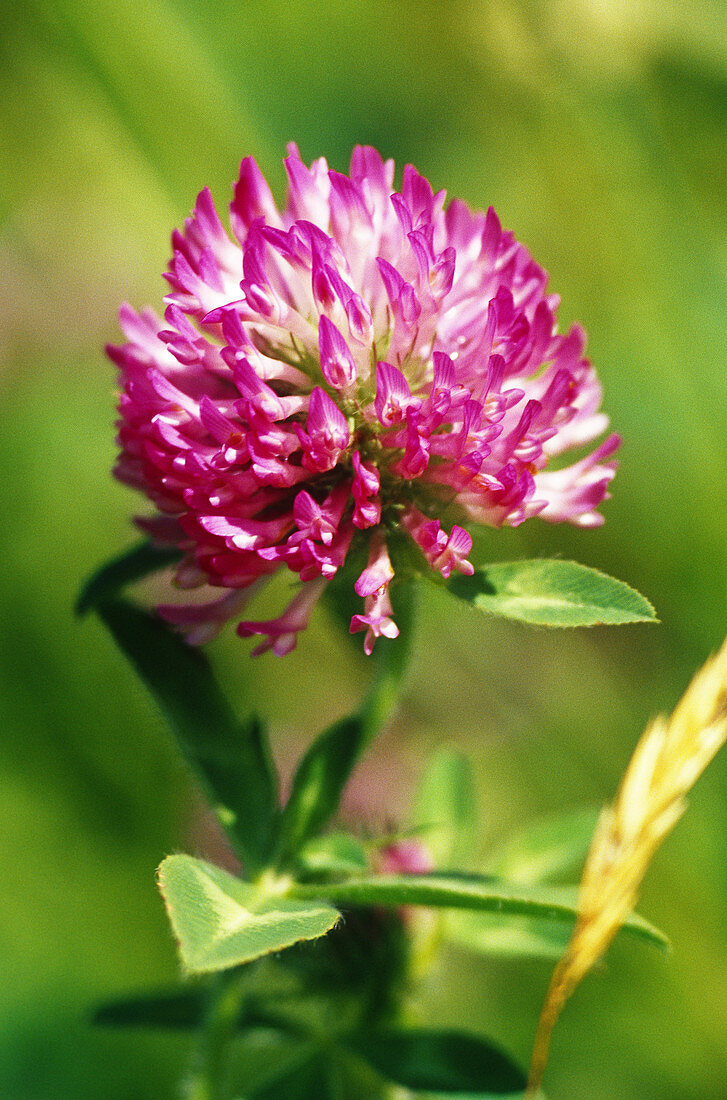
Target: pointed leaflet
[333, 854]
[538, 853]
[507, 937]
[220, 921]
[231, 758]
[445, 814]
[463, 892]
[132, 565]
[324, 770]
[445, 819]
[552, 593]
[545, 848]
[450, 1062]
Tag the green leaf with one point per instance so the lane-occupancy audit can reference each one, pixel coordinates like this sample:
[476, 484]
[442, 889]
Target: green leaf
[220, 921]
[550, 592]
[132, 565]
[464, 892]
[445, 815]
[182, 1009]
[536, 854]
[325, 768]
[231, 758]
[506, 937]
[186, 1007]
[544, 849]
[318, 784]
[450, 1062]
[334, 854]
[308, 1079]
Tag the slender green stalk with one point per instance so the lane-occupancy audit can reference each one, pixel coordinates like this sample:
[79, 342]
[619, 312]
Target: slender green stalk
[207, 1077]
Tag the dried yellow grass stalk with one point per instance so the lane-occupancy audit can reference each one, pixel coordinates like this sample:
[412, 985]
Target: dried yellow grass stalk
[669, 758]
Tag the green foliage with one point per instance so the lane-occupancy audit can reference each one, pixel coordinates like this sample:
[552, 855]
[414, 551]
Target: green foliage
[506, 937]
[231, 758]
[309, 1078]
[255, 993]
[550, 592]
[332, 854]
[464, 892]
[132, 565]
[181, 1008]
[448, 1062]
[538, 853]
[327, 765]
[542, 850]
[626, 208]
[445, 819]
[221, 922]
[444, 813]
[318, 783]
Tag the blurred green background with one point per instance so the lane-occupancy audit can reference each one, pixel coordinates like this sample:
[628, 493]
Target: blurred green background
[597, 129]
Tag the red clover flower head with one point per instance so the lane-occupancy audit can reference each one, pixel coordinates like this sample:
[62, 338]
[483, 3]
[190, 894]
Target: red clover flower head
[340, 370]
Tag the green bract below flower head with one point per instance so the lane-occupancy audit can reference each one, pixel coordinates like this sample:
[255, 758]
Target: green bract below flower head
[346, 367]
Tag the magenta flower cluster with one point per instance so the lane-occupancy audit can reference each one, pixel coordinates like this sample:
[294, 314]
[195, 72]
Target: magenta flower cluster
[351, 365]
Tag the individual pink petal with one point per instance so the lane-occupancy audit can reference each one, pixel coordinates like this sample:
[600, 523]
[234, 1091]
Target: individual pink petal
[444, 553]
[393, 396]
[405, 305]
[416, 453]
[252, 200]
[379, 572]
[376, 620]
[454, 554]
[309, 189]
[319, 522]
[327, 434]
[282, 633]
[365, 490]
[202, 622]
[339, 369]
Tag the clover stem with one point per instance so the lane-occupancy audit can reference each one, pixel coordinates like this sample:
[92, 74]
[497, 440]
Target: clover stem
[207, 1077]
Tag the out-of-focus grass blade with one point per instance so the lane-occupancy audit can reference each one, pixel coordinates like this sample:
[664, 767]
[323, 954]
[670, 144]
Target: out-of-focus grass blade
[333, 854]
[183, 1009]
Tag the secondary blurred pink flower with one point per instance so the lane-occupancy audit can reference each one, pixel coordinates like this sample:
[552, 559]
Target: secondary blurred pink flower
[353, 364]
[405, 857]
